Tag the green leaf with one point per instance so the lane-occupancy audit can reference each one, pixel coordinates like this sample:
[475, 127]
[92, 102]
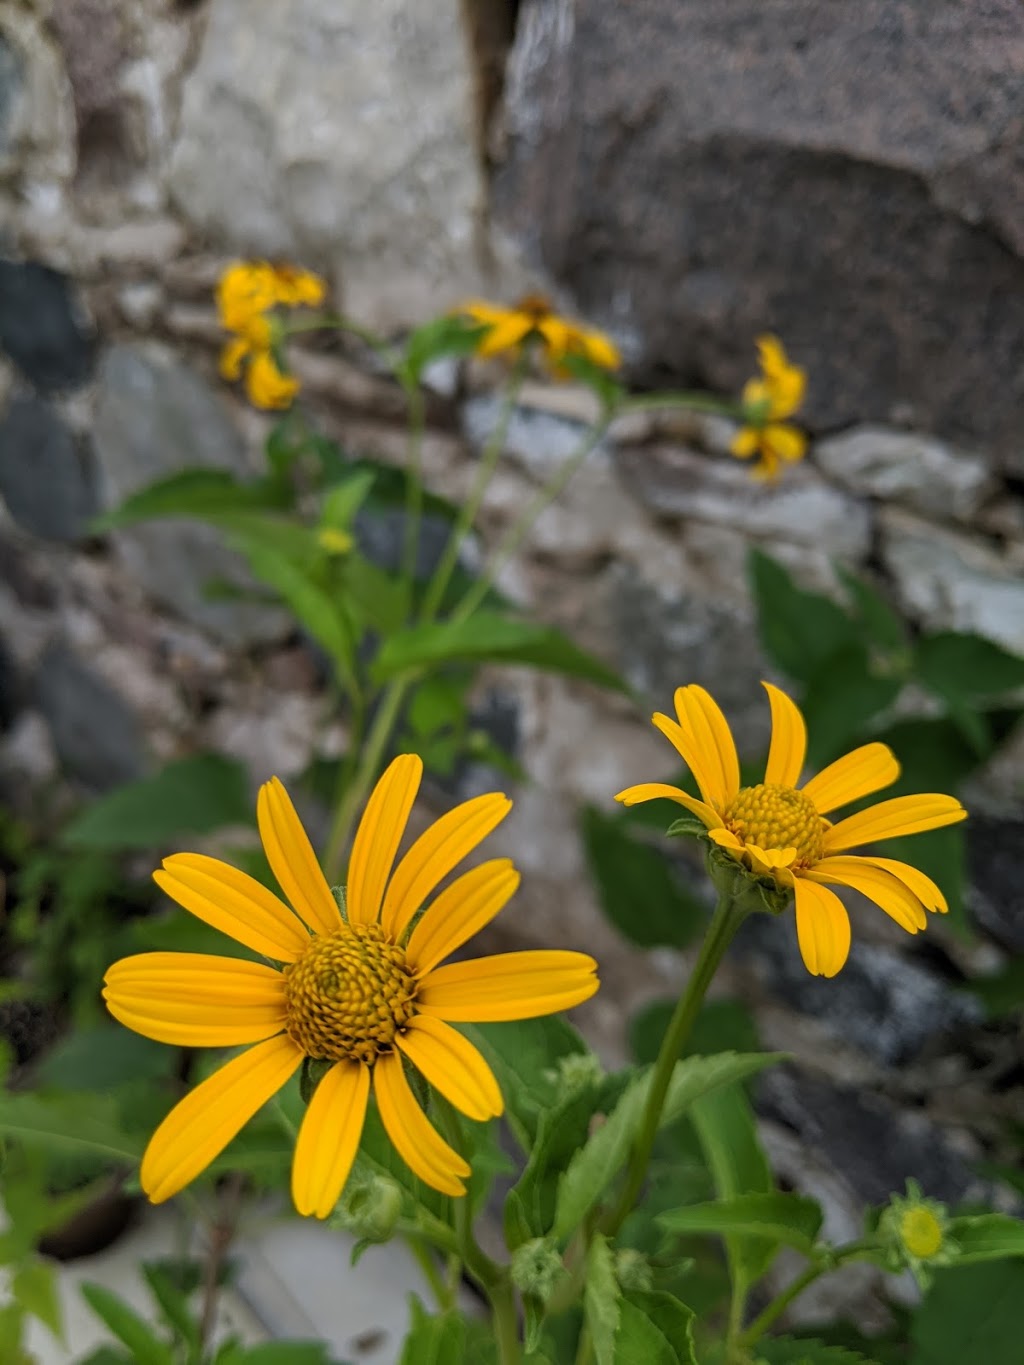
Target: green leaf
[561, 1132]
[639, 890]
[288, 1353]
[966, 666]
[721, 1026]
[601, 1297]
[173, 1304]
[439, 1340]
[343, 500]
[987, 1237]
[799, 630]
[524, 1056]
[68, 1122]
[489, 637]
[103, 1057]
[797, 1351]
[788, 1219]
[1002, 993]
[197, 493]
[885, 628]
[654, 1329]
[842, 696]
[971, 1313]
[34, 1287]
[699, 1081]
[190, 796]
[127, 1326]
[107, 1355]
[450, 335]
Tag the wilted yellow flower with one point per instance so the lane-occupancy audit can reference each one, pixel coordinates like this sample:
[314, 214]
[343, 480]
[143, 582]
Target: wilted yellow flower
[363, 990]
[766, 401]
[532, 319]
[778, 829]
[267, 385]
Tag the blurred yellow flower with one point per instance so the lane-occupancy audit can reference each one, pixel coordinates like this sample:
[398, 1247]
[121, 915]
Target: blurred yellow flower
[267, 385]
[245, 290]
[766, 402]
[334, 540]
[532, 319]
[247, 293]
[778, 829]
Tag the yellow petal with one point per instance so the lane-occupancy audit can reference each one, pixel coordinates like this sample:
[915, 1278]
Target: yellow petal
[858, 773]
[745, 443]
[560, 337]
[772, 861]
[725, 838]
[890, 819]
[459, 912]
[195, 999]
[329, 1138]
[437, 852]
[201, 1125]
[481, 311]
[293, 861]
[651, 791]
[508, 986]
[231, 357]
[916, 882]
[234, 903]
[784, 441]
[701, 719]
[267, 385]
[378, 836]
[505, 334]
[771, 354]
[453, 1066]
[416, 1139]
[789, 740]
[822, 928]
[887, 892]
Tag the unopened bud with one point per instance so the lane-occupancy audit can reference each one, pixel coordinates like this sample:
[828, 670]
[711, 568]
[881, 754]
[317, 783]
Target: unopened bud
[370, 1208]
[633, 1270]
[537, 1268]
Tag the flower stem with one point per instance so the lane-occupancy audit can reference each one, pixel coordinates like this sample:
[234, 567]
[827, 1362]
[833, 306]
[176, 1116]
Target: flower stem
[442, 1291]
[793, 1290]
[729, 915]
[413, 483]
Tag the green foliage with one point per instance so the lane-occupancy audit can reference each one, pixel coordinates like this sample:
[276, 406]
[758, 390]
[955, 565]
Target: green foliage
[439, 1340]
[797, 1351]
[971, 1313]
[654, 1329]
[203, 494]
[787, 1219]
[986, 1237]
[127, 1326]
[602, 1300]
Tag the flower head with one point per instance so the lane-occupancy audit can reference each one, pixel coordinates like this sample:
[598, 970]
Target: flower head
[247, 294]
[916, 1233]
[267, 384]
[532, 320]
[777, 829]
[766, 402]
[364, 991]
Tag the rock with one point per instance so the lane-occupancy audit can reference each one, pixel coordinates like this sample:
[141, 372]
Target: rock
[948, 582]
[10, 89]
[154, 418]
[997, 892]
[37, 117]
[96, 735]
[41, 329]
[42, 477]
[657, 154]
[11, 690]
[344, 138]
[539, 439]
[381, 537]
[926, 475]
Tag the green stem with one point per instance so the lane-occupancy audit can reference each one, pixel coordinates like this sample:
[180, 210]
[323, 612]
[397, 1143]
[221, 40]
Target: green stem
[792, 1291]
[729, 915]
[585, 1347]
[425, 1259]
[506, 1322]
[413, 483]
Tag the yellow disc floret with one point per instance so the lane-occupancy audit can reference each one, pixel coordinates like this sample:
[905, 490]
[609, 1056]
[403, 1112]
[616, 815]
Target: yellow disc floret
[774, 817]
[921, 1232]
[349, 994]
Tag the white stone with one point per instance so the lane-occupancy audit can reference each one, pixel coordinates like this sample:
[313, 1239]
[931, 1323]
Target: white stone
[925, 474]
[539, 439]
[37, 133]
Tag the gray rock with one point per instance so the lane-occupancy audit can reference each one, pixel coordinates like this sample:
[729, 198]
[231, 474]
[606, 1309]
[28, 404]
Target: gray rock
[10, 84]
[997, 892]
[695, 174]
[924, 474]
[42, 477]
[539, 440]
[154, 418]
[41, 328]
[96, 734]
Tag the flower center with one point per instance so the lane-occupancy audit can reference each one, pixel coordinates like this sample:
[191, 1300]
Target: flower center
[535, 307]
[349, 994]
[778, 817]
[921, 1233]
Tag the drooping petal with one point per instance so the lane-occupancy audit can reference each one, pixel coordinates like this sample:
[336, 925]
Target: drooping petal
[822, 928]
[916, 882]
[745, 443]
[789, 740]
[650, 791]
[481, 311]
[505, 334]
[784, 441]
[437, 852]
[600, 349]
[195, 999]
[858, 773]
[887, 891]
[701, 717]
[559, 336]
[416, 1139]
[890, 819]
[378, 836]
[452, 1065]
[293, 861]
[231, 357]
[329, 1138]
[233, 902]
[508, 986]
[459, 912]
[702, 760]
[201, 1125]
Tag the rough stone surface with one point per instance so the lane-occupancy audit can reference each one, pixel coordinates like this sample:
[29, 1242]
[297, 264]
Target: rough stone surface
[41, 328]
[42, 477]
[154, 418]
[697, 174]
[997, 894]
[10, 87]
[926, 475]
[37, 120]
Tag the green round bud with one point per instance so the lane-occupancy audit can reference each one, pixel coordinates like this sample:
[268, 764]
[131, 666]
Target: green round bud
[633, 1270]
[370, 1208]
[537, 1267]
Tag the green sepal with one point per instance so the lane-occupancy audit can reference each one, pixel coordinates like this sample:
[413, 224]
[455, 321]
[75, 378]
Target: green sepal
[314, 1069]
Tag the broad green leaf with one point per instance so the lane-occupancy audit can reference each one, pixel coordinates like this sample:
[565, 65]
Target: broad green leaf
[799, 630]
[439, 1340]
[525, 1056]
[103, 1057]
[561, 1132]
[987, 1237]
[722, 1025]
[127, 1326]
[698, 1078]
[449, 335]
[639, 890]
[788, 1219]
[1003, 993]
[196, 493]
[343, 500]
[971, 1313]
[34, 1287]
[957, 665]
[173, 1304]
[68, 1122]
[107, 1355]
[843, 695]
[654, 1329]
[489, 637]
[796, 1351]
[601, 1296]
[288, 1353]
[190, 796]
[885, 627]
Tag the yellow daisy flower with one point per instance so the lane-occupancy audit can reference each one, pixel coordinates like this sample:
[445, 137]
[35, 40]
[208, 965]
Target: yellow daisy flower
[296, 287]
[365, 991]
[778, 829]
[245, 290]
[776, 395]
[532, 319]
[267, 385]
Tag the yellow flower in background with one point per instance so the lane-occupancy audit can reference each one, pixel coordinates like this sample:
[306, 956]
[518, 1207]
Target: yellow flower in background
[247, 293]
[766, 402]
[295, 287]
[778, 829]
[245, 290]
[267, 385]
[533, 319]
[364, 990]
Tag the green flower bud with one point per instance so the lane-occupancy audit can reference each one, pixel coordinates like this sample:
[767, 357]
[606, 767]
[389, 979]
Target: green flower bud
[370, 1207]
[537, 1268]
[633, 1270]
[575, 1073]
[915, 1234]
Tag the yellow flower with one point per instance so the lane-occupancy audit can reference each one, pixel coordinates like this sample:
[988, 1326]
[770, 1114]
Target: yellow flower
[920, 1232]
[245, 290]
[266, 385]
[363, 991]
[295, 286]
[253, 337]
[778, 829]
[532, 319]
[334, 540]
[766, 401]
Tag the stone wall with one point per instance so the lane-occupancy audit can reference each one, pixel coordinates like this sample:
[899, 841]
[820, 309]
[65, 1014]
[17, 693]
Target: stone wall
[686, 182]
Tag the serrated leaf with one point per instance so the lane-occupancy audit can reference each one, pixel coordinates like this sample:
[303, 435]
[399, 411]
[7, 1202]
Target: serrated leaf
[601, 1296]
[987, 1237]
[971, 1313]
[439, 1340]
[127, 1326]
[524, 1056]
[561, 1132]
[196, 493]
[654, 1329]
[799, 1351]
[788, 1219]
